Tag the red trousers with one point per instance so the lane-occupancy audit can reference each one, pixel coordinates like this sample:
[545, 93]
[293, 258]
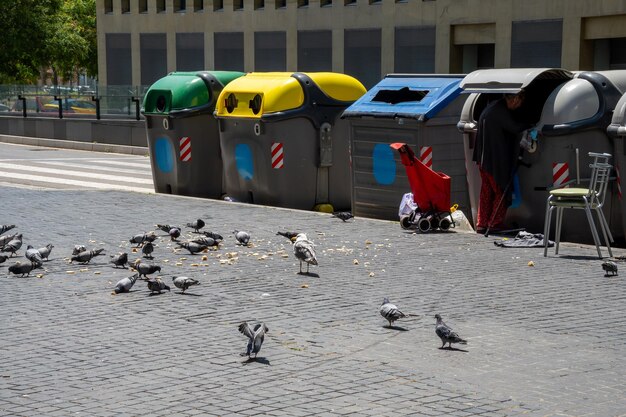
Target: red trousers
[490, 195]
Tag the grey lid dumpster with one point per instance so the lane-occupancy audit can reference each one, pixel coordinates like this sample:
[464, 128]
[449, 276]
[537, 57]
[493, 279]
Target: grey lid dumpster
[421, 110]
[282, 141]
[617, 131]
[571, 111]
[183, 138]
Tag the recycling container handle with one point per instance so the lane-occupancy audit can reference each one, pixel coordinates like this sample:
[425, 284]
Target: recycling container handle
[136, 100]
[21, 97]
[60, 101]
[326, 145]
[466, 127]
[97, 100]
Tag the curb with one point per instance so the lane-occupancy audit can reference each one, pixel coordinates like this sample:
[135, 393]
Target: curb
[75, 145]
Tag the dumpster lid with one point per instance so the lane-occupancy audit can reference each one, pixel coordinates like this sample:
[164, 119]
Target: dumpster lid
[509, 80]
[416, 96]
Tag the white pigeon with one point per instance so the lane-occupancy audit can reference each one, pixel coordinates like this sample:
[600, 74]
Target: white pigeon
[304, 251]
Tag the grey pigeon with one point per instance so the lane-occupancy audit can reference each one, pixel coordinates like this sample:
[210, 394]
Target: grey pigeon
[156, 285]
[215, 236]
[610, 268]
[33, 254]
[304, 251]
[119, 260]
[22, 269]
[173, 231]
[343, 215]
[184, 282]
[143, 238]
[145, 269]
[125, 284]
[207, 241]
[196, 225]
[78, 249]
[13, 245]
[192, 247]
[390, 311]
[5, 228]
[86, 256]
[45, 251]
[164, 227]
[446, 334]
[255, 337]
[147, 250]
[289, 235]
[6, 239]
[242, 237]
[3, 258]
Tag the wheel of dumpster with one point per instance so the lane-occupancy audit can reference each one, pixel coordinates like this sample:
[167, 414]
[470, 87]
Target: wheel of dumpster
[406, 223]
[445, 223]
[423, 224]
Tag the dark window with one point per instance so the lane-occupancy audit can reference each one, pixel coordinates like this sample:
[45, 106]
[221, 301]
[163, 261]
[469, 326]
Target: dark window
[536, 43]
[349, 2]
[228, 48]
[315, 50]
[108, 6]
[415, 50]
[303, 3]
[218, 5]
[119, 63]
[281, 4]
[259, 4]
[237, 4]
[160, 6]
[362, 55]
[270, 52]
[375, 1]
[125, 6]
[143, 6]
[198, 5]
[180, 5]
[189, 51]
[326, 3]
[153, 56]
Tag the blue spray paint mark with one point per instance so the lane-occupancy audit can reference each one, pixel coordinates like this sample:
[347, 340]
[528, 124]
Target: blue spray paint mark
[244, 162]
[164, 154]
[384, 166]
[517, 193]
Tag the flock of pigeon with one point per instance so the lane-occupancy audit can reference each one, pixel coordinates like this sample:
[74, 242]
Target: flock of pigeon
[303, 250]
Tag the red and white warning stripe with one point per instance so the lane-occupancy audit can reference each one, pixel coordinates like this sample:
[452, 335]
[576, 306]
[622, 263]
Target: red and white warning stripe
[560, 174]
[277, 155]
[426, 156]
[619, 183]
[185, 149]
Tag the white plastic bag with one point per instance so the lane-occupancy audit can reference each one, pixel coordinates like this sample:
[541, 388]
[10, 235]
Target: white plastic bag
[407, 205]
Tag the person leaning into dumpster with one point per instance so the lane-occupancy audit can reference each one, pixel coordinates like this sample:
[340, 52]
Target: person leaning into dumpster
[496, 152]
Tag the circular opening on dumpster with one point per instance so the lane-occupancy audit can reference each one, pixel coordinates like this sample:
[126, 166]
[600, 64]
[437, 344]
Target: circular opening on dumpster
[255, 104]
[231, 103]
[160, 104]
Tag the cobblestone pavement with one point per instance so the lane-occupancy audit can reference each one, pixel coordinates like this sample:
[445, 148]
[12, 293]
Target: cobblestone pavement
[548, 340]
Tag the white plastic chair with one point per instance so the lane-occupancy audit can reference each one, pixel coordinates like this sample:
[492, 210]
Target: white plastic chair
[587, 199]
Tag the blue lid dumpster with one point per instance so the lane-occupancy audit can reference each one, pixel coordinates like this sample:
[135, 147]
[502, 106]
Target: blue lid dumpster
[283, 143]
[183, 138]
[419, 110]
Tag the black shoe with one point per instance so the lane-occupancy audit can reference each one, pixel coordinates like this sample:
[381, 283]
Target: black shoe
[481, 230]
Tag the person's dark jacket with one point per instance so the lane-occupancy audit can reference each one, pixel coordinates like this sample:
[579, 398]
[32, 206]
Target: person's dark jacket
[497, 143]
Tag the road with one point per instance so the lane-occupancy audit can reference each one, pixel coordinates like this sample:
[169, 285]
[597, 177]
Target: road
[50, 168]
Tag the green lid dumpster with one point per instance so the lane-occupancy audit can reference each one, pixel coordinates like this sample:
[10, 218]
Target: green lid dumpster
[283, 142]
[183, 138]
[419, 110]
[571, 113]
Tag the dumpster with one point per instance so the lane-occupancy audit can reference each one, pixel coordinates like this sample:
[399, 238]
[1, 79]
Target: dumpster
[283, 143]
[571, 112]
[183, 138]
[617, 131]
[419, 110]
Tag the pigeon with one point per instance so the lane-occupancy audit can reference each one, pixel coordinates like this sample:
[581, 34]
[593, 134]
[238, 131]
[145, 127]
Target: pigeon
[343, 215]
[173, 231]
[45, 251]
[242, 237]
[85, 256]
[145, 269]
[255, 337]
[184, 282]
[156, 285]
[215, 236]
[6, 239]
[390, 311]
[33, 255]
[22, 269]
[446, 334]
[193, 247]
[125, 284]
[197, 225]
[289, 235]
[304, 251]
[610, 268]
[147, 250]
[78, 249]
[3, 259]
[143, 238]
[13, 245]
[5, 228]
[119, 260]
[206, 241]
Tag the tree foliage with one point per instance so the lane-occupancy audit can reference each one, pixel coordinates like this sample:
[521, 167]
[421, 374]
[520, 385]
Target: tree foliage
[41, 34]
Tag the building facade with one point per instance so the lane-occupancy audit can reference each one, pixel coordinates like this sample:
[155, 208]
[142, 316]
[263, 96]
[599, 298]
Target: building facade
[140, 41]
